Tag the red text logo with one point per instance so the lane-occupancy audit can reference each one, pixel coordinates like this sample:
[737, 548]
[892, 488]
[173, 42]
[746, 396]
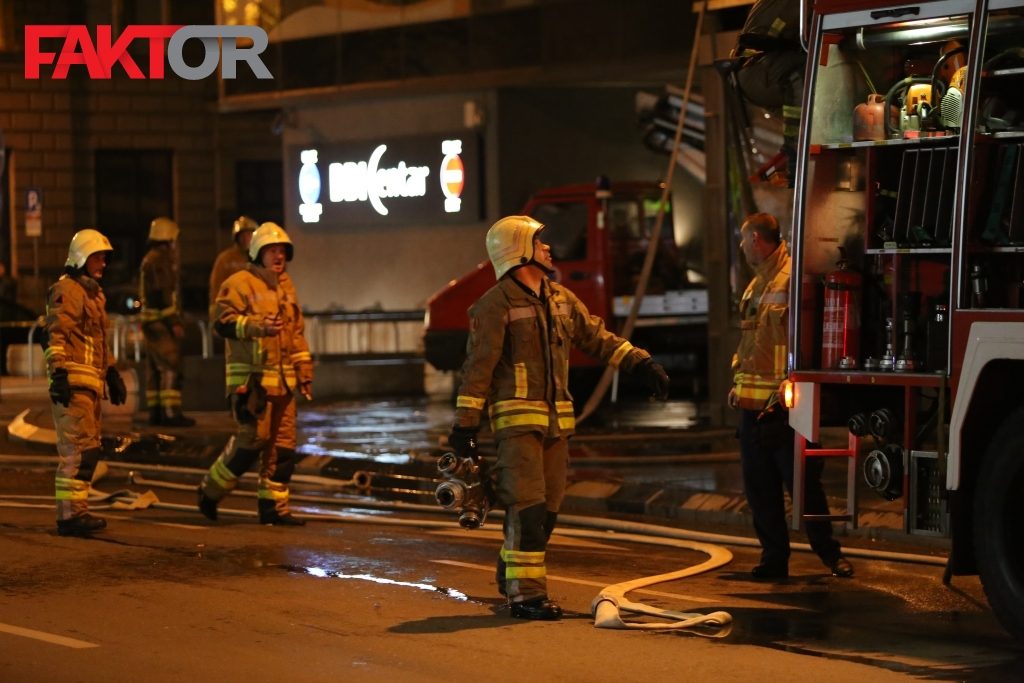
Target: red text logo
[100, 55]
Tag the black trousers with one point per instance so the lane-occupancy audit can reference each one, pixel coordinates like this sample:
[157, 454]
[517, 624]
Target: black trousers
[766, 455]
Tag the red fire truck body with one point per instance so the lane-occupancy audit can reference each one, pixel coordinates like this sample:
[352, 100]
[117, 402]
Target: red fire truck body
[908, 270]
[598, 236]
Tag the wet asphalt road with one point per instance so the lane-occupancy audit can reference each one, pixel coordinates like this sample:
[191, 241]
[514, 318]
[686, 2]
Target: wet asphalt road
[165, 595]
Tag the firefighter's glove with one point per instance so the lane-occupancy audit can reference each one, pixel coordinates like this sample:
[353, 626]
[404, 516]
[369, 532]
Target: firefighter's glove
[115, 387]
[463, 442]
[655, 377]
[60, 387]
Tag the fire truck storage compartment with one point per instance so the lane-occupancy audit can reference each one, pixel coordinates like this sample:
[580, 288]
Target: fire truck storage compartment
[928, 209]
[880, 202]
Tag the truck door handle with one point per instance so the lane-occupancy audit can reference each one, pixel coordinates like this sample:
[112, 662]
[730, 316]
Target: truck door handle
[579, 275]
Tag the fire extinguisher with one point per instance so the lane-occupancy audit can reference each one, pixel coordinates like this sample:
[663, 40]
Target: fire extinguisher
[840, 330]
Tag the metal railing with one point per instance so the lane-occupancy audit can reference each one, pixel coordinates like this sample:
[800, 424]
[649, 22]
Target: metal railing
[351, 332]
[126, 329]
[328, 332]
[364, 332]
[31, 325]
[127, 339]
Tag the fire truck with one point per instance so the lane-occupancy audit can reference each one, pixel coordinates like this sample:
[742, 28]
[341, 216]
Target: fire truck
[599, 235]
[907, 290]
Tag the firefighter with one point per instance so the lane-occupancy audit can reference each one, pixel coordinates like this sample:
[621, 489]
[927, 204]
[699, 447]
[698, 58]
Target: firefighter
[517, 360]
[231, 260]
[162, 325]
[267, 361]
[771, 63]
[81, 371]
[766, 439]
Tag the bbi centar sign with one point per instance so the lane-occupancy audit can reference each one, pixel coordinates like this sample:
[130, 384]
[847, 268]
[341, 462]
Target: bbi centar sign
[428, 178]
[99, 56]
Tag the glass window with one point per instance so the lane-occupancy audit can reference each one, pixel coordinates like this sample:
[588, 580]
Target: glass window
[565, 229]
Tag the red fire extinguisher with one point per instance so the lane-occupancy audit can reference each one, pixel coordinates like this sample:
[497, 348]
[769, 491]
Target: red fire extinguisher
[840, 331]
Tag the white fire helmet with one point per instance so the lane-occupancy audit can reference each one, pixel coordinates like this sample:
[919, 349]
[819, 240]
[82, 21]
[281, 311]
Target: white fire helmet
[242, 223]
[266, 235]
[510, 242]
[163, 229]
[84, 244]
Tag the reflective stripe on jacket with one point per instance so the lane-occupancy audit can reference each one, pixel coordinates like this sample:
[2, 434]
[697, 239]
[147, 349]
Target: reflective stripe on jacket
[246, 300]
[517, 358]
[759, 364]
[76, 327]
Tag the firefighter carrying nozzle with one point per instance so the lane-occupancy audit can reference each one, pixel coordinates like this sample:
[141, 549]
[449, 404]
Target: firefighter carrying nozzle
[466, 488]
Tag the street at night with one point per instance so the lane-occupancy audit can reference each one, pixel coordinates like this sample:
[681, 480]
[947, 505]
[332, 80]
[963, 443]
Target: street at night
[511, 340]
[393, 589]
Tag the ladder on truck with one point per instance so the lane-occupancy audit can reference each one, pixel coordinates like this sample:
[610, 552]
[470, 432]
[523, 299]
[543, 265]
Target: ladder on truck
[802, 452]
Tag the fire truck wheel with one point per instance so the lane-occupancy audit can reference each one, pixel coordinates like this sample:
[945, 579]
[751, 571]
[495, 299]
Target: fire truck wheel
[997, 526]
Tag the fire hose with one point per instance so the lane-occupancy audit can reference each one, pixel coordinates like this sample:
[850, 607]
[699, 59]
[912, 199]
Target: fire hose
[610, 608]
[610, 605]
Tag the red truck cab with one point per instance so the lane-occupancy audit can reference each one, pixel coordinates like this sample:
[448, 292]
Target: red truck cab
[599, 236]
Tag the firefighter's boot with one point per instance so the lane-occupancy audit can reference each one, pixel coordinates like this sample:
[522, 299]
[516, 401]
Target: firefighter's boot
[541, 609]
[273, 490]
[222, 477]
[207, 505]
[270, 514]
[155, 415]
[72, 494]
[81, 525]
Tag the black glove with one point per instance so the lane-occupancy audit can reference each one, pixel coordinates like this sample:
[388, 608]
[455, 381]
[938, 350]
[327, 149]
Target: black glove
[655, 377]
[115, 387]
[463, 442]
[60, 388]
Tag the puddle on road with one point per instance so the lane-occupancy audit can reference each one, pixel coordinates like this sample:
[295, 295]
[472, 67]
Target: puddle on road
[890, 645]
[449, 592]
[323, 566]
[385, 432]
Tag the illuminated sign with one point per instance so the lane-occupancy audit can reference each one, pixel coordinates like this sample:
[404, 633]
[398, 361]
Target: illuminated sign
[422, 179]
[453, 177]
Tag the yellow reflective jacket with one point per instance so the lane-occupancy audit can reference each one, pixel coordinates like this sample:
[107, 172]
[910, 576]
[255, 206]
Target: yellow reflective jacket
[158, 287]
[759, 364]
[228, 262]
[246, 300]
[517, 358]
[76, 328]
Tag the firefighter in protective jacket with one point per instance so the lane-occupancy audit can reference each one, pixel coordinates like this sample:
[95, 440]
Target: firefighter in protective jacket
[267, 361]
[759, 364]
[81, 372]
[766, 439]
[771, 64]
[521, 333]
[231, 260]
[162, 325]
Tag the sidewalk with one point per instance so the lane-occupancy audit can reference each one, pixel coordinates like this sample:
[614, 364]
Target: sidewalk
[686, 477]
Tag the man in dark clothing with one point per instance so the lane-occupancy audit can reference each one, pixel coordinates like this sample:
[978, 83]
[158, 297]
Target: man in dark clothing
[766, 439]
